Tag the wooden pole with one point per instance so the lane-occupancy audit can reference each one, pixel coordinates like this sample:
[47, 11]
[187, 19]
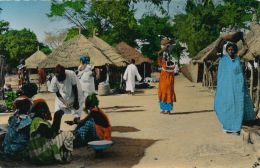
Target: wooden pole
[251, 79]
[258, 86]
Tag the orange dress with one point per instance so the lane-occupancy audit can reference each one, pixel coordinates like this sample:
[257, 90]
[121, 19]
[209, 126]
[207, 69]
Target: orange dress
[166, 92]
[42, 76]
[102, 132]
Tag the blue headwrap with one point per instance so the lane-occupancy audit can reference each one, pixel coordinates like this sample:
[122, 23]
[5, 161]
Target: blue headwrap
[85, 59]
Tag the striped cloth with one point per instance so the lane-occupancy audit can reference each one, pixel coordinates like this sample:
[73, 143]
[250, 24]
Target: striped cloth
[43, 150]
[232, 102]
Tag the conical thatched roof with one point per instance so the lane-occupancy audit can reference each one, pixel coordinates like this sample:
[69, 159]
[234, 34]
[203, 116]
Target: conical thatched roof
[109, 51]
[69, 53]
[130, 53]
[33, 61]
[253, 42]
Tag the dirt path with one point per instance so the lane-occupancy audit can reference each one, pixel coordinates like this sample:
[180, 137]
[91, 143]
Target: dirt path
[190, 137]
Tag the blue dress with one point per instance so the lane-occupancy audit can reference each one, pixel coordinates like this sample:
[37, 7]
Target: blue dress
[18, 135]
[232, 102]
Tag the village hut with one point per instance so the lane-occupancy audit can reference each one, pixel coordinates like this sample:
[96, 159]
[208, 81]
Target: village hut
[203, 67]
[101, 55]
[116, 70]
[252, 56]
[142, 62]
[69, 53]
[33, 61]
[194, 70]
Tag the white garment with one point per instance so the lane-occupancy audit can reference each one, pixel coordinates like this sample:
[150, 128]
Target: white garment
[86, 79]
[129, 75]
[65, 89]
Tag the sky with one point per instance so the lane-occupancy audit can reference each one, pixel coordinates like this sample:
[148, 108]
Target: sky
[31, 14]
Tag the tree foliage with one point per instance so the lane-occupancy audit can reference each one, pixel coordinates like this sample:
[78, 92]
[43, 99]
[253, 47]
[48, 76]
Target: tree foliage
[54, 40]
[202, 23]
[18, 44]
[4, 26]
[150, 27]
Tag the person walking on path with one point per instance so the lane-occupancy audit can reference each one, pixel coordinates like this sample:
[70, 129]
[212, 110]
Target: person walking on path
[166, 94]
[42, 77]
[69, 95]
[232, 103]
[23, 75]
[86, 76]
[129, 75]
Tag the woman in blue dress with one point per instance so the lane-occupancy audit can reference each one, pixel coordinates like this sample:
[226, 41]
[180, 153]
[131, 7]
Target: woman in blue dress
[232, 104]
[18, 134]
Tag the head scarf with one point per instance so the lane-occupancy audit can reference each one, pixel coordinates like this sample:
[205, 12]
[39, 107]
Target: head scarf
[59, 70]
[85, 59]
[48, 113]
[91, 101]
[225, 47]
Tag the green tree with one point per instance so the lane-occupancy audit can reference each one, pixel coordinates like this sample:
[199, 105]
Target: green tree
[177, 51]
[4, 26]
[202, 23]
[18, 44]
[150, 27]
[199, 27]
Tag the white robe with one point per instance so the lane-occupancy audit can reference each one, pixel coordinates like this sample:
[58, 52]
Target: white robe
[129, 75]
[86, 79]
[65, 89]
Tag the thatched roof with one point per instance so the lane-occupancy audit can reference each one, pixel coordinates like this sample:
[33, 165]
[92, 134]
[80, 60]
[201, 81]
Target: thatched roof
[199, 58]
[206, 53]
[253, 42]
[130, 53]
[109, 51]
[69, 53]
[33, 61]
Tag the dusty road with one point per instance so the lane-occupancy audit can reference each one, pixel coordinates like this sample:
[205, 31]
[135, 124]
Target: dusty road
[190, 137]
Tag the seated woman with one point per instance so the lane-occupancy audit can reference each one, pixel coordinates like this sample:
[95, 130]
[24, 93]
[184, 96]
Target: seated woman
[18, 134]
[95, 126]
[27, 92]
[47, 145]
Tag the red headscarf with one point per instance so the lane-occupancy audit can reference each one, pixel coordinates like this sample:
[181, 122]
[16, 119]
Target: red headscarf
[48, 113]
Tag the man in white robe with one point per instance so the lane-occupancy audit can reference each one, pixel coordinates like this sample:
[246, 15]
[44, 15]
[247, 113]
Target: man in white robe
[68, 91]
[86, 76]
[129, 75]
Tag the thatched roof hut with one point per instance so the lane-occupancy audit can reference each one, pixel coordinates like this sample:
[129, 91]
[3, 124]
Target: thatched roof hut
[109, 51]
[130, 53]
[253, 42]
[33, 61]
[69, 53]
[142, 62]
